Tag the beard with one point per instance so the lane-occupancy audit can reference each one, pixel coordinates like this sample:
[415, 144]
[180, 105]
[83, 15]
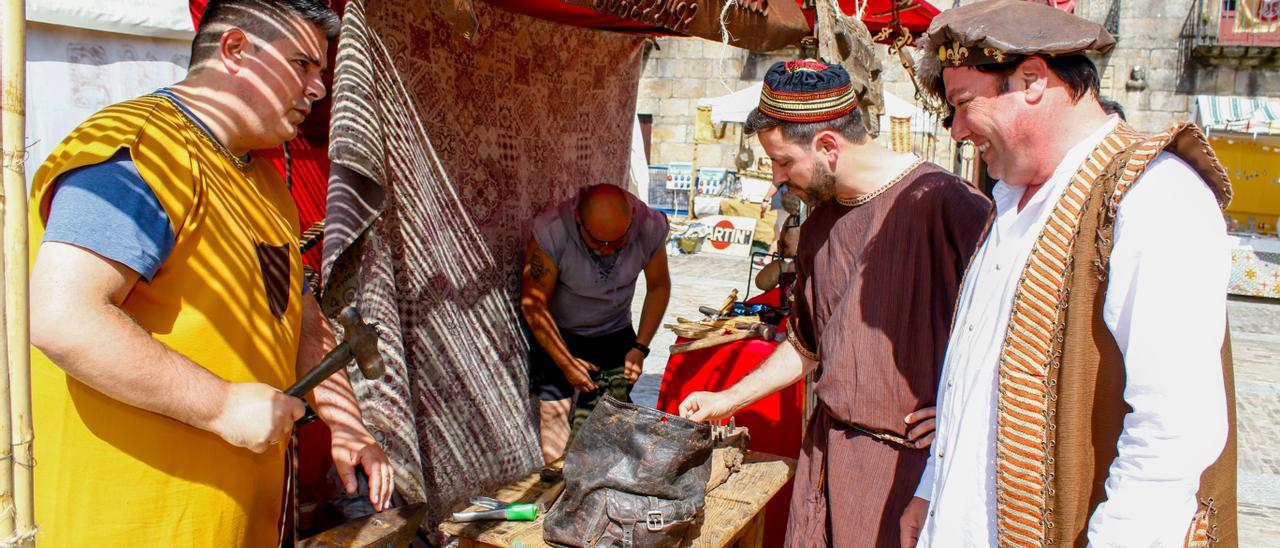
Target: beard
[823, 187]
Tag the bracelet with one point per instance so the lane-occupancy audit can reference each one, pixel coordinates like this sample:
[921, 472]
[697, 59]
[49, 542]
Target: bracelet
[642, 348]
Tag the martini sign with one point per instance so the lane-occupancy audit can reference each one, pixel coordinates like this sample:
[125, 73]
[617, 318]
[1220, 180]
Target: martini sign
[729, 235]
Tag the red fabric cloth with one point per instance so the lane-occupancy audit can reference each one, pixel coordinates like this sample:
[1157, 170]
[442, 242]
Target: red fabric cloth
[309, 175]
[578, 16]
[876, 14]
[197, 9]
[774, 422]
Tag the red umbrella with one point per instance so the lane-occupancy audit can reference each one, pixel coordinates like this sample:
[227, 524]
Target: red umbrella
[914, 14]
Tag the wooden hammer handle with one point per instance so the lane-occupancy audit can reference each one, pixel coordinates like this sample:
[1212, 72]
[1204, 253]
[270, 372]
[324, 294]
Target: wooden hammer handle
[711, 342]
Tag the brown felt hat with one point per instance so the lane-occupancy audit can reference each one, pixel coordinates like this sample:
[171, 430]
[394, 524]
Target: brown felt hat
[995, 31]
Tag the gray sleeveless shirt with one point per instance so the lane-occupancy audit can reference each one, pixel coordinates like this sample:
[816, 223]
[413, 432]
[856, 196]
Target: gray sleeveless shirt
[593, 293]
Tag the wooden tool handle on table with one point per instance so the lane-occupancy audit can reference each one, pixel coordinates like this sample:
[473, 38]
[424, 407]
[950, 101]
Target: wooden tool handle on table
[711, 342]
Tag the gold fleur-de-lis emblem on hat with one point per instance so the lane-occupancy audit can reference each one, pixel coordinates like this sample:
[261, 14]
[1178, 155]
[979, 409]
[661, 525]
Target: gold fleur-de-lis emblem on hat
[994, 54]
[955, 54]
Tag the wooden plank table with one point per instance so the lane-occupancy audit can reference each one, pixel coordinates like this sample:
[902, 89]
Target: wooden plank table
[733, 515]
[390, 528]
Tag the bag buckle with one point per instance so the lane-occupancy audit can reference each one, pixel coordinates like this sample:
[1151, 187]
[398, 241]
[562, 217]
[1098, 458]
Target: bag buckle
[654, 521]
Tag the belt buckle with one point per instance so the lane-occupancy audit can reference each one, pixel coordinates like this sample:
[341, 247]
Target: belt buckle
[885, 436]
[654, 521]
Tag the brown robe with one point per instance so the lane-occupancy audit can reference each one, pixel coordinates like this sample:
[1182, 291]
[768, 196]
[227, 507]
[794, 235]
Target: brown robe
[874, 298]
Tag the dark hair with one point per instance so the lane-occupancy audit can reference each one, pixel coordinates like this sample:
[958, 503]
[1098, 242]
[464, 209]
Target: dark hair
[1076, 71]
[259, 18]
[1111, 106]
[850, 126]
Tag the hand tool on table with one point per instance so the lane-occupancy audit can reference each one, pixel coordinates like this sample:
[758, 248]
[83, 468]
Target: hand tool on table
[752, 331]
[496, 509]
[548, 498]
[722, 431]
[701, 329]
[359, 340]
[713, 314]
[693, 330]
[722, 323]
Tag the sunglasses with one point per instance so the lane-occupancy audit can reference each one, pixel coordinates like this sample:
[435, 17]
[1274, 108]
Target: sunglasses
[767, 313]
[607, 246]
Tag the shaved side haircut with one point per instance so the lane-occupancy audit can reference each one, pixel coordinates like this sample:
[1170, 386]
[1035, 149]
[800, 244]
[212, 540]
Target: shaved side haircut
[263, 20]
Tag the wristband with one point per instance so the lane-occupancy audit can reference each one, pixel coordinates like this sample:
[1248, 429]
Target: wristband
[642, 348]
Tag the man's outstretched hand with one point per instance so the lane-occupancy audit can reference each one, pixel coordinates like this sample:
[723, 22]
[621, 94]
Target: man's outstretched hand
[707, 406]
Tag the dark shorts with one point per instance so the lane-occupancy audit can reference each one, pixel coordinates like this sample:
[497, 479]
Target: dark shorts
[607, 352]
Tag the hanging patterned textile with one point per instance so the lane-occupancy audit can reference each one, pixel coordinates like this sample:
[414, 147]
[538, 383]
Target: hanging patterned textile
[443, 148]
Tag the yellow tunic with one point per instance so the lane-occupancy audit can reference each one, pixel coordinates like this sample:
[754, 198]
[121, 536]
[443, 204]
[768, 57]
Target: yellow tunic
[108, 474]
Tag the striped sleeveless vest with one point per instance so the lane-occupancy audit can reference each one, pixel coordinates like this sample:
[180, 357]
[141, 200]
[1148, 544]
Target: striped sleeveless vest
[1060, 406]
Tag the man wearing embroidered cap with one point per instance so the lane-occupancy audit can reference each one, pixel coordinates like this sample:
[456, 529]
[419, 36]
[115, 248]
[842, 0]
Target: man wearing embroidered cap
[879, 264]
[1086, 395]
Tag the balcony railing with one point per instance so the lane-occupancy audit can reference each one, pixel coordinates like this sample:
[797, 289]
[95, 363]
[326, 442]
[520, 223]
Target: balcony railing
[1214, 27]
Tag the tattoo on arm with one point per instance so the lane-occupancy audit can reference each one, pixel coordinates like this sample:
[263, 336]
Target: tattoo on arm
[537, 266]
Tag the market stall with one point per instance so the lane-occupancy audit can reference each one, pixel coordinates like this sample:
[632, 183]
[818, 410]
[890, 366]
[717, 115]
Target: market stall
[1245, 134]
[452, 124]
[435, 172]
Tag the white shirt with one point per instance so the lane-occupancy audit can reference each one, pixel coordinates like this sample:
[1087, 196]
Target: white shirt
[1166, 307]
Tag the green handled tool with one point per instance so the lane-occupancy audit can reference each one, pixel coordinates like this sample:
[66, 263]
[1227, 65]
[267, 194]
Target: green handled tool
[511, 512]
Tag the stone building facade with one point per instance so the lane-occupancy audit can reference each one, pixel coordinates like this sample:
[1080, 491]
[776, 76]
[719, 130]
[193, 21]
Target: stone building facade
[1167, 52]
[678, 72]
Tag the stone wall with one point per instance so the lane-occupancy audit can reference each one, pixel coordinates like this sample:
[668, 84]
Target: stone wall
[1150, 39]
[1154, 48]
[679, 71]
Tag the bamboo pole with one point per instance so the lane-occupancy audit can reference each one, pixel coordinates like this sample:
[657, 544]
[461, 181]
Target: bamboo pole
[18, 526]
[693, 186]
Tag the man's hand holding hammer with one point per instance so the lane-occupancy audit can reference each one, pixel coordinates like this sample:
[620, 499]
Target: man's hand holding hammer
[255, 416]
[335, 402]
[80, 326]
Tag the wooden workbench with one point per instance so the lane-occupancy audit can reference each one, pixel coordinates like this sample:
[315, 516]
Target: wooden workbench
[734, 512]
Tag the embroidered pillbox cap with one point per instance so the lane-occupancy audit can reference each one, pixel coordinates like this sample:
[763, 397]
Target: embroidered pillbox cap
[807, 91]
[995, 31]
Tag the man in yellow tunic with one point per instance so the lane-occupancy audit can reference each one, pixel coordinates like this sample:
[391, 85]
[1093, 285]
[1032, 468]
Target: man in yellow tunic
[167, 301]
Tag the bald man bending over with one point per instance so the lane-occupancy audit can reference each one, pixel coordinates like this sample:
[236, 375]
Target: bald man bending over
[580, 273]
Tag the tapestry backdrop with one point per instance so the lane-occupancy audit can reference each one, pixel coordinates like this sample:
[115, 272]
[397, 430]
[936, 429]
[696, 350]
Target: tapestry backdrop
[443, 150]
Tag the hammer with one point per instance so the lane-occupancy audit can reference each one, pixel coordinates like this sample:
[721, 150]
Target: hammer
[359, 341]
[752, 331]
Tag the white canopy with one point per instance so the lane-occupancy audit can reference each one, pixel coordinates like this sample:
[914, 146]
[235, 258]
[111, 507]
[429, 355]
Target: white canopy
[83, 55]
[735, 106]
[157, 18]
[896, 106]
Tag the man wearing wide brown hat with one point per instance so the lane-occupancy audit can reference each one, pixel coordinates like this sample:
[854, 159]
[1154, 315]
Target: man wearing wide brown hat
[878, 265]
[1087, 393]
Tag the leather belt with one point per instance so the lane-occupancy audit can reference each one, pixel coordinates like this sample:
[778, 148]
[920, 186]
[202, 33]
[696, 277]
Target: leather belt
[889, 437]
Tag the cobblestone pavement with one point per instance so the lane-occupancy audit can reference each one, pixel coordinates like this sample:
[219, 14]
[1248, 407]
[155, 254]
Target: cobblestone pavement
[1255, 337]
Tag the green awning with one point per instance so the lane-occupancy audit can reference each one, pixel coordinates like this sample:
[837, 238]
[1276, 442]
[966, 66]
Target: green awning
[1256, 115]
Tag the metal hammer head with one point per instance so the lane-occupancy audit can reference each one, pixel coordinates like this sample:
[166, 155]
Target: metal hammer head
[759, 329]
[362, 340]
[766, 331]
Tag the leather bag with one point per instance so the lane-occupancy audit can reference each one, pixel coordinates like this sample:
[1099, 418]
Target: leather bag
[634, 477]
